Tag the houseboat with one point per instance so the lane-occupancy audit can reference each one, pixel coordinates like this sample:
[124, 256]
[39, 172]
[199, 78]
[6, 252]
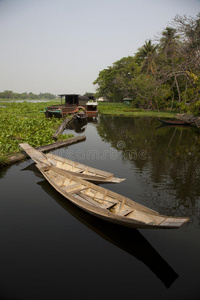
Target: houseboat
[71, 104]
[91, 109]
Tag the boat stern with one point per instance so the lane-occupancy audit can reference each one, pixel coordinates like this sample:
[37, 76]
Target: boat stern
[174, 222]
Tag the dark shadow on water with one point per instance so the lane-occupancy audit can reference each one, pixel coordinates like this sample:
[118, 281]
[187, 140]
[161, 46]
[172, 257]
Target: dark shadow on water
[78, 127]
[172, 126]
[33, 169]
[127, 239]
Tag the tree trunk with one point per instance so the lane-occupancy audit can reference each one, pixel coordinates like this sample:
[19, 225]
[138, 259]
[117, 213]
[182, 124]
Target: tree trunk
[179, 95]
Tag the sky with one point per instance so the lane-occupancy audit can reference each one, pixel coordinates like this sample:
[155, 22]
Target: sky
[60, 46]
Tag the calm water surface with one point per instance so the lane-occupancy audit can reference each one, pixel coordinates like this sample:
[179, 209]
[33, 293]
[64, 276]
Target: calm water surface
[50, 249]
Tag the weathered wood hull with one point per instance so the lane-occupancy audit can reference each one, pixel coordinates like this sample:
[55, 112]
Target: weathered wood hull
[64, 165]
[92, 114]
[106, 204]
[60, 111]
[119, 236]
[79, 117]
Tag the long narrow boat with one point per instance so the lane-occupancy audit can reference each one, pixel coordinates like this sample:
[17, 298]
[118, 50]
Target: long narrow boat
[63, 165]
[137, 245]
[106, 204]
[174, 122]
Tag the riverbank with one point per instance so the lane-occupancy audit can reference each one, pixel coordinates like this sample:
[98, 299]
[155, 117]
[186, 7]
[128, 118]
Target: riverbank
[121, 109]
[194, 121]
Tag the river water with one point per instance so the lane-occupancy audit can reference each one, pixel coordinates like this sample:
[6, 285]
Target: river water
[50, 249]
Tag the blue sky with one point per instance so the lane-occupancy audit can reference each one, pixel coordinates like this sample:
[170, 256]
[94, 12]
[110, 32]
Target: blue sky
[59, 46]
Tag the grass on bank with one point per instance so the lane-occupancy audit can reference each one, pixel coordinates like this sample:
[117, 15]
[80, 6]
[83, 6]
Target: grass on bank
[24, 123]
[122, 109]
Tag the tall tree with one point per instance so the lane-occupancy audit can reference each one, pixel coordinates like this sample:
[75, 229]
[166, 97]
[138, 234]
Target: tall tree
[113, 82]
[189, 29]
[158, 74]
[169, 42]
[169, 45]
[147, 54]
[8, 94]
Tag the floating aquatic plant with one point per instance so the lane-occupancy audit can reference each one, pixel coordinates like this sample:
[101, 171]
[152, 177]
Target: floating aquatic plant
[23, 123]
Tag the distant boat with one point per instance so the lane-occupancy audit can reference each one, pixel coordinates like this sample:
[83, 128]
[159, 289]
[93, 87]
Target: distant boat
[80, 116]
[91, 109]
[174, 122]
[105, 204]
[63, 166]
[71, 105]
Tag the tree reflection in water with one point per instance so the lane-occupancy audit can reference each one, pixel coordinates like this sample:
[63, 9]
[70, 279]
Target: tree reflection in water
[165, 158]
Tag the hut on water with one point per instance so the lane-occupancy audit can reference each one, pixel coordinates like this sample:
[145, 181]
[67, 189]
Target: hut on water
[69, 99]
[70, 103]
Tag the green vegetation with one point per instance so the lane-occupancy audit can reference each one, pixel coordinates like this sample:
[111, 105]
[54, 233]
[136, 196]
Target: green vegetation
[163, 150]
[7, 95]
[108, 108]
[23, 122]
[160, 76]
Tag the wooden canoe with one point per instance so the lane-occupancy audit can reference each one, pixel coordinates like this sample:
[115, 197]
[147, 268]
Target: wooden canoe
[74, 168]
[119, 236]
[106, 204]
[174, 122]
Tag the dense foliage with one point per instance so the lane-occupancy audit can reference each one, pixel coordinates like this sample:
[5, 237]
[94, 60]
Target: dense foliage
[25, 96]
[23, 122]
[164, 75]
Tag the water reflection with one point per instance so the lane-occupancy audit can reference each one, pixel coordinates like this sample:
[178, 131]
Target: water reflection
[3, 171]
[82, 126]
[119, 236]
[33, 169]
[166, 159]
[172, 126]
[78, 127]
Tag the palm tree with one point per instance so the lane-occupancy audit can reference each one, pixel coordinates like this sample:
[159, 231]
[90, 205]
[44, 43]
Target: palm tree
[169, 41]
[147, 54]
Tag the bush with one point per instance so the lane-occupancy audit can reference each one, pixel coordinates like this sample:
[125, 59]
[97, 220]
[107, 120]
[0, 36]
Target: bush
[195, 108]
[182, 107]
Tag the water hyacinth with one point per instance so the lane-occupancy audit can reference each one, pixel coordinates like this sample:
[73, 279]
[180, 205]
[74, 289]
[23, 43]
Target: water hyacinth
[24, 123]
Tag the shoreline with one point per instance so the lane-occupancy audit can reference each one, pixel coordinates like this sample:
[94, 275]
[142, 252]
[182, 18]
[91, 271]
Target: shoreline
[18, 156]
[195, 121]
[121, 109]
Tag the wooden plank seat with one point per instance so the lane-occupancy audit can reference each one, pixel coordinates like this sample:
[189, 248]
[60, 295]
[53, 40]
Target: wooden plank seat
[107, 205]
[125, 211]
[73, 188]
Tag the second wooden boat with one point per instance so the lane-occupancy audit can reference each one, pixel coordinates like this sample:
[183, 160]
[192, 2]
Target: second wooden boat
[63, 165]
[106, 204]
[174, 122]
[80, 117]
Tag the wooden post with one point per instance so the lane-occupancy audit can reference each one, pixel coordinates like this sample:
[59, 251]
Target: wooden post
[61, 128]
[15, 157]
